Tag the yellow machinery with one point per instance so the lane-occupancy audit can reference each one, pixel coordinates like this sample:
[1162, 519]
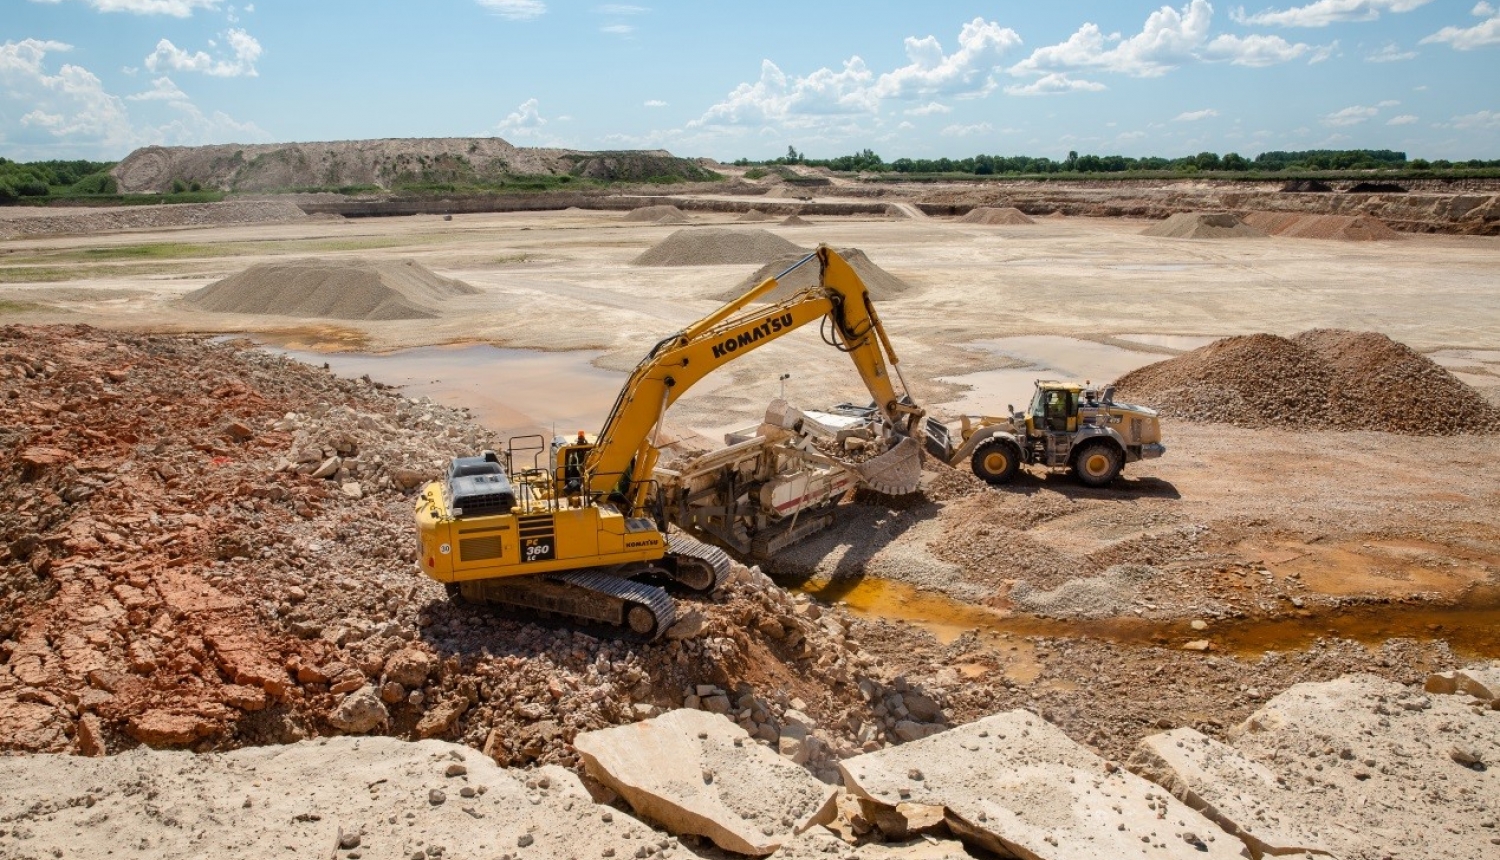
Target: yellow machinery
[1068, 425]
[575, 528]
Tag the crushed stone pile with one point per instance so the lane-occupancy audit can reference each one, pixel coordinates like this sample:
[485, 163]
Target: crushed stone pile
[795, 221]
[211, 548]
[718, 246]
[1203, 225]
[395, 290]
[1346, 228]
[654, 213]
[1319, 379]
[994, 215]
[880, 283]
[756, 215]
[150, 217]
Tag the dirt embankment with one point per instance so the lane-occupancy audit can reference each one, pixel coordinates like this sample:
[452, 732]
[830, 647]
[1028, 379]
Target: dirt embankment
[150, 217]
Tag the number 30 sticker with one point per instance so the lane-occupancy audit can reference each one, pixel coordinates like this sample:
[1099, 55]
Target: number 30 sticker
[445, 549]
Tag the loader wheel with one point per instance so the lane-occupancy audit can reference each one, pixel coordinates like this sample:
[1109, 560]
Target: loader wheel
[996, 461]
[1097, 463]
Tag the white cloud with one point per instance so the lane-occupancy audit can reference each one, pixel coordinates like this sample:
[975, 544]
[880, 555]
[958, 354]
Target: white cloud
[1483, 34]
[794, 101]
[929, 109]
[1254, 50]
[162, 89]
[1404, 119]
[1055, 84]
[1482, 119]
[175, 8]
[1325, 12]
[1387, 103]
[1390, 53]
[1130, 135]
[1195, 115]
[524, 121]
[981, 43]
[655, 103]
[245, 48]
[515, 10]
[617, 29]
[1350, 116]
[1168, 38]
[967, 130]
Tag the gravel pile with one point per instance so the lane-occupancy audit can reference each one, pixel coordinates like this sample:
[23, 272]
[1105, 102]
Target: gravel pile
[150, 217]
[795, 221]
[880, 283]
[1346, 228]
[756, 215]
[1203, 225]
[717, 246]
[996, 215]
[336, 289]
[1320, 379]
[654, 213]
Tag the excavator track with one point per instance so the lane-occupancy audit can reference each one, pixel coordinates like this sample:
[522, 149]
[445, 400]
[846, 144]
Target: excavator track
[700, 566]
[635, 609]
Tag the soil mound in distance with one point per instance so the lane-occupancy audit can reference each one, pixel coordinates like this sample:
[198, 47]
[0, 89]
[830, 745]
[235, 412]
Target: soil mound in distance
[718, 247]
[880, 283]
[756, 215]
[1272, 223]
[994, 215]
[654, 213]
[795, 221]
[394, 290]
[1317, 380]
[1345, 228]
[1203, 225]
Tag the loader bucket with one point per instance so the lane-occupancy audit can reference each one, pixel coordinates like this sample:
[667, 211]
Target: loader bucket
[896, 472]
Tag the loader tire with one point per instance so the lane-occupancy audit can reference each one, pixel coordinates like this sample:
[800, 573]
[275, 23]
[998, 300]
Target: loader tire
[996, 461]
[1097, 463]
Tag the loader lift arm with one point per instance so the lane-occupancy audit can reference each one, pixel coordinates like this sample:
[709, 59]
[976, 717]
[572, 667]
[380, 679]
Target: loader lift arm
[624, 449]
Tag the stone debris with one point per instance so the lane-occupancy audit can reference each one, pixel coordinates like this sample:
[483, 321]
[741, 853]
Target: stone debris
[996, 215]
[820, 844]
[369, 795]
[667, 768]
[1015, 785]
[1241, 796]
[1204, 225]
[331, 288]
[717, 246]
[1371, 764]
[1481, 682]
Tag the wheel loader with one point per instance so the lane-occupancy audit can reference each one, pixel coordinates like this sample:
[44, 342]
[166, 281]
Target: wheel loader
[576, 527]
[1067, 426]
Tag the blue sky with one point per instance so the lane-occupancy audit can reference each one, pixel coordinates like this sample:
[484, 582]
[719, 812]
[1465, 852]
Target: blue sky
[98, 78]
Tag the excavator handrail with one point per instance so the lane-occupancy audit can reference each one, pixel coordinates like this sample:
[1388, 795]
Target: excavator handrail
[677, 362]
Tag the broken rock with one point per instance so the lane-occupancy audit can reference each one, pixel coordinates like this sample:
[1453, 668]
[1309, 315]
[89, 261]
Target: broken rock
[360, 712]
[759, 802]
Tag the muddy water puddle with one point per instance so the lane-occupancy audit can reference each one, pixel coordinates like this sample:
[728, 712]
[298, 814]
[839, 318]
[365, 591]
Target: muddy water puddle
[1468, 625]
[510, 391]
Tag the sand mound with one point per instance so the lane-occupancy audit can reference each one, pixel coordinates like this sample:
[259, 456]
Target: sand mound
[1317, 380]
[717, 247]
[674, 218]
[1203, 225]
[397, 290]
[653, 213]
[993, 215]
[880, 283]
[1272, 223]
[795, 221]
[1347, 228]
[756, 215]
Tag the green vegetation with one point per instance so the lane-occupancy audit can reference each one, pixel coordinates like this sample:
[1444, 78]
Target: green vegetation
[1283, 165]
[9, 307]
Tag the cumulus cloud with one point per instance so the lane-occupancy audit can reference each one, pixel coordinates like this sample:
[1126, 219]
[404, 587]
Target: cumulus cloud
[1054, 84]
[515, 10]
[175, 8]
[1482, 119]
[1390, 53]
[245, 49]
[788, 99]
[967, 130]
[524, 121]
[968, 69]
[1255, 50]
[163, 90]
[1195, 115]
[929, 109]
[1350, 116]
[1404, 119]
[1483, 34]
[1325, 12]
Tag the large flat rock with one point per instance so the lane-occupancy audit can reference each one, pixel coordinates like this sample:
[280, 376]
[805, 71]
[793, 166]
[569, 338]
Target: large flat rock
[1481, 682]
[1241, 796]
[1377, 769]
[697, 772]
[1016, 785]
[297, 801]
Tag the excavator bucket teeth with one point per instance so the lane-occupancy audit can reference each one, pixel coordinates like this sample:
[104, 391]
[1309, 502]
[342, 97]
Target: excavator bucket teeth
[896, 472]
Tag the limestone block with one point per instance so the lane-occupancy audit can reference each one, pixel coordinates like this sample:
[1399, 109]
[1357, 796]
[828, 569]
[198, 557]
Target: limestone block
[696, 772]
[1240, 795]
[1016, 785]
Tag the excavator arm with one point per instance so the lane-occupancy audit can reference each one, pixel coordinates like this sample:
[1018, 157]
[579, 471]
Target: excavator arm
[624, 448]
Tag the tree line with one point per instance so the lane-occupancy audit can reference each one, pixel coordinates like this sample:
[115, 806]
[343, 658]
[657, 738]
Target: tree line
[46, 178]
[867, 161]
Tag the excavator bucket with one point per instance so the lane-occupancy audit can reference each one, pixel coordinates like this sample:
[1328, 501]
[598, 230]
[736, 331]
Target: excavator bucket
[896, 472]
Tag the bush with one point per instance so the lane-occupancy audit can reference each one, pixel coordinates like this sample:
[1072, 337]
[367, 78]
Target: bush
[32, 188]
[7, 192]
[96, 183]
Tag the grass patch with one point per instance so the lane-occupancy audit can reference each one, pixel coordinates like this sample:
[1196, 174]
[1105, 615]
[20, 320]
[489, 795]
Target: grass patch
[9, 307]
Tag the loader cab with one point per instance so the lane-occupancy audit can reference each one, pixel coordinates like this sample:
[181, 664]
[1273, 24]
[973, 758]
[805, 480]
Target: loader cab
[1054, 408]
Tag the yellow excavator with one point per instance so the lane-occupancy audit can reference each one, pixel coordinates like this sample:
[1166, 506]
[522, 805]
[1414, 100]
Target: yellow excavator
[577, 528]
